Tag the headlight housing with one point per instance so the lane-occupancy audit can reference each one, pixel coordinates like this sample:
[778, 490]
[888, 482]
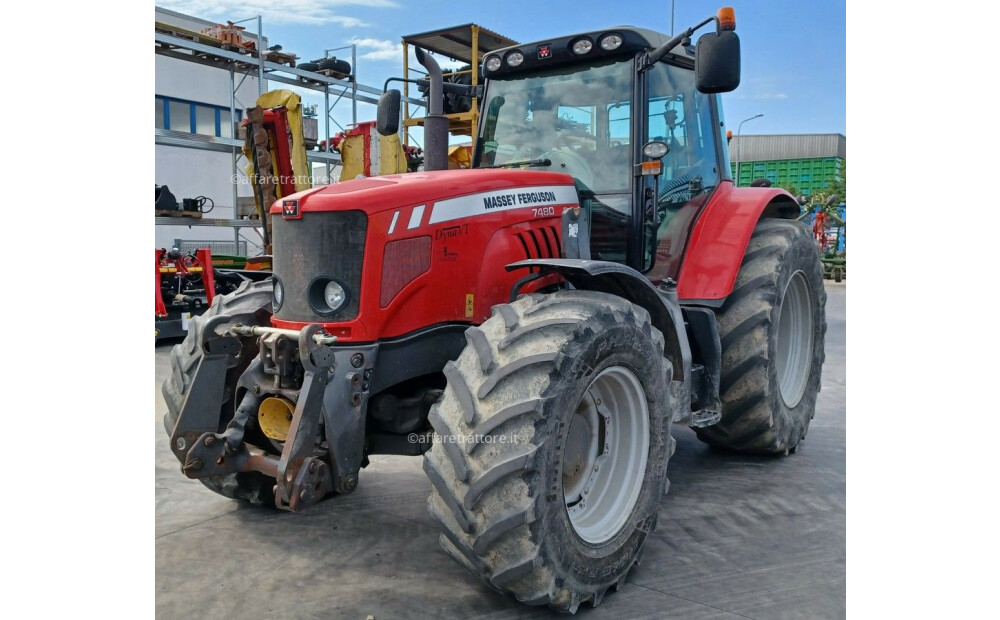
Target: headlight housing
[327, 295]
[334, 294]
[582, 46]
[515, 58]
[493, 63]
[277, 295]
[611, 41]
[655, 149]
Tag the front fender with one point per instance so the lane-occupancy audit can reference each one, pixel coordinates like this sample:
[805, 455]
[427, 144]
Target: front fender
[623, 281]
[720, 237]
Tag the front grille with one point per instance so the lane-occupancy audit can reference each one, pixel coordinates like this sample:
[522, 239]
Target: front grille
[330, 243]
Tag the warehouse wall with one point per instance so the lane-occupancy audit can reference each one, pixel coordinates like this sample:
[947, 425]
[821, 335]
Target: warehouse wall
[808, 175]
[191, 172]
[791, 146]
[810, 162]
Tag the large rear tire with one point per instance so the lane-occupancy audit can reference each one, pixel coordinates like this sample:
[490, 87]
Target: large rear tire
[772, 328]
[552, 443]
[251, 298]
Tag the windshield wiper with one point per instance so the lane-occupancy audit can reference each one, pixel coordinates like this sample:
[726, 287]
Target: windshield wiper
[526, 162]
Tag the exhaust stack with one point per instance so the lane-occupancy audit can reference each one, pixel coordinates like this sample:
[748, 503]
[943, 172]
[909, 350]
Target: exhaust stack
[435, 123]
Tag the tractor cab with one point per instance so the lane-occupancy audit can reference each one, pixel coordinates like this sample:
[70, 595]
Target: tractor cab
[632, 116]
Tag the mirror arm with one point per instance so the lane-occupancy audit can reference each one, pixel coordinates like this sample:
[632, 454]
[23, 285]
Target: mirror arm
[657, 55]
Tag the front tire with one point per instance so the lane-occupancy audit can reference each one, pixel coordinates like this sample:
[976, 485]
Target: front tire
[772, 327]
[552, 443]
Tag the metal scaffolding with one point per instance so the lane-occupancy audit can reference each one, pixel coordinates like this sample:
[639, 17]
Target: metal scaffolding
[254, 63]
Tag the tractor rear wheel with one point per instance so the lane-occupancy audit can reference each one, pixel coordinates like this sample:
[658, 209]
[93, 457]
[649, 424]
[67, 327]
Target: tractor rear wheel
[772, 328]
[551, 447]
[251, 298]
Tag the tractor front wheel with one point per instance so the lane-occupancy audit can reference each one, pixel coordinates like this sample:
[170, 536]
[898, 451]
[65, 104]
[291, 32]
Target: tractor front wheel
[552, 443]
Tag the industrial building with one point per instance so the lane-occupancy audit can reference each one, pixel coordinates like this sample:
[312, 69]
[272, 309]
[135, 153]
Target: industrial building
[193, 114]
[806, 162]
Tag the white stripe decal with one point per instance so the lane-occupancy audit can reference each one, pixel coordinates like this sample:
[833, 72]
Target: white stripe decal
[502, 200]
[392, 225]
[415, 217]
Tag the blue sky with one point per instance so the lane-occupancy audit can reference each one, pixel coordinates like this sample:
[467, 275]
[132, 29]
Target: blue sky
[794, 70]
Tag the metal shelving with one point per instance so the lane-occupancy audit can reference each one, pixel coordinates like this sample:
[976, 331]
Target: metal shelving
[253, 64]
[206, 221]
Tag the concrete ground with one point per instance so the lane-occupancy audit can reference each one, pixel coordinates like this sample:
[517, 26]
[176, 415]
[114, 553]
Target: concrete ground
[738, 536]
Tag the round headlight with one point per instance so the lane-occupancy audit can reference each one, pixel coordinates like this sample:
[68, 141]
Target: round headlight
[655, 149]
[611, 42]
[334, 295]
[278, 295]
[327, 296]
[582, 46]
[493, 63]
[515, 58]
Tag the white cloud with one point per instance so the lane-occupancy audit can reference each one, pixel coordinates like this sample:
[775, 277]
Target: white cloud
[310, 12]
[392, 51]
[377, 49]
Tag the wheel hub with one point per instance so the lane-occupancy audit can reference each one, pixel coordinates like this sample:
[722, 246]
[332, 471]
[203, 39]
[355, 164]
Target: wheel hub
[794, 340]
[604, 459]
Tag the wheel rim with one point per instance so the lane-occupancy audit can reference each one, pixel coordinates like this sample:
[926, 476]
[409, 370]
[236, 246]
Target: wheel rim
[795, 340]
[604, 460]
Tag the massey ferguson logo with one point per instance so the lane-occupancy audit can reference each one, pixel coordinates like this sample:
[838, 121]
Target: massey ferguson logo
[290, 208]
[544, 51]
[511, 200]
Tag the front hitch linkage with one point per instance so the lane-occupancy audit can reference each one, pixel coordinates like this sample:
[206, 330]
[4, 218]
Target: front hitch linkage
[301, 479]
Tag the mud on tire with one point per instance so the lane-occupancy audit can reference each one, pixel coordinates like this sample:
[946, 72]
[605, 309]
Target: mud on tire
[515, 388]
[251, 298]
[756, 416]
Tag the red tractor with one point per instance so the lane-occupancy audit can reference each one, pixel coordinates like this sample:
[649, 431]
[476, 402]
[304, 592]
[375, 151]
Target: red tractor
[531, 327]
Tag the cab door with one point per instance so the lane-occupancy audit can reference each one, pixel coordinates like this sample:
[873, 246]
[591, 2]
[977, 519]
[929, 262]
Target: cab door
[677, 114]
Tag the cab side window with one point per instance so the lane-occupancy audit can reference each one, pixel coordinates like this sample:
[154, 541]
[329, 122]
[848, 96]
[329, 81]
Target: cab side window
[681, 117]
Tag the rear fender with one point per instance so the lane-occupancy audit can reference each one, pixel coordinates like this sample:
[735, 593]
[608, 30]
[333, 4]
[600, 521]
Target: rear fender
[720, 237]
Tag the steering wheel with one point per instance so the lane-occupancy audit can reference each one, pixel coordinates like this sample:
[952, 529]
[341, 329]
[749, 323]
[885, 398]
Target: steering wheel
[570, 162]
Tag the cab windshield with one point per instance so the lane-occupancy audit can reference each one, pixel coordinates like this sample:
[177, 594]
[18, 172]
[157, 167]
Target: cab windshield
[575, 120]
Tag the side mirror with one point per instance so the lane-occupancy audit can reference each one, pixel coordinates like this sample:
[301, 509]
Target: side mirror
[717, 62]
[832, 200]
[387, 120]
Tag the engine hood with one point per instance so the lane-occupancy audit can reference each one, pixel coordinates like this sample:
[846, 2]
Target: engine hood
[376, 194]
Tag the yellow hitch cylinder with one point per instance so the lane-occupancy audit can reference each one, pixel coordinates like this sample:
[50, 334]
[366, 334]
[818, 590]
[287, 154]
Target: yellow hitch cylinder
[275, 417]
